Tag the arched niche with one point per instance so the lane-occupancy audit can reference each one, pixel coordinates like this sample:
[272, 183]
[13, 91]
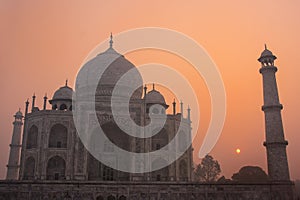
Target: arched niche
[56, 168]
[160, 139]
[183, 170]
[32, 137]
[161, 174]
[29, 169]
[58, 137]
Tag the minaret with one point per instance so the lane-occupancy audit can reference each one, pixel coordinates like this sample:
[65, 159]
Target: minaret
[111, 41]
[189, 114]
[145, 91]
[181, 108]
[174, 107]
[45, 102]
[33, 102]
[275, 143]
[15, 146]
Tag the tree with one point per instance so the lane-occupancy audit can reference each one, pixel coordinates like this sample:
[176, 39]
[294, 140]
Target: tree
[208, 170]
[250, 174]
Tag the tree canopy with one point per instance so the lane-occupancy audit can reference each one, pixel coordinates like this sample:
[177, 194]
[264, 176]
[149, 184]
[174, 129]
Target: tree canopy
[208, 170]
[250, 174]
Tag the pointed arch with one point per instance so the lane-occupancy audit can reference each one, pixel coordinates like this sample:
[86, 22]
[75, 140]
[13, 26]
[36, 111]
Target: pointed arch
[63, 107]
[161, 174]
[108, 173]
[111, 197]
[56, 168]
[99, 197]
[29, 168]
[94, 167]
[32, 137]
[182, 142]
[122, 197]
[116, 135]
[160, 139]
[183, 170]
[58, 136]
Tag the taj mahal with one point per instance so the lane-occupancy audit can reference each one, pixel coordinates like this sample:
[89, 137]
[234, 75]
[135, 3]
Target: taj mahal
[48, 160]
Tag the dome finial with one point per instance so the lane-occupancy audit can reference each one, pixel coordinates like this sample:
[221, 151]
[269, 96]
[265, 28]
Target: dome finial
[66, 82]
[111, 40]
[266, 46]
[153, 86]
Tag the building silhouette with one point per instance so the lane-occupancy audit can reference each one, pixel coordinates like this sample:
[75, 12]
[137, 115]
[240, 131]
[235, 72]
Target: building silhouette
[51, 162]
[52, 150]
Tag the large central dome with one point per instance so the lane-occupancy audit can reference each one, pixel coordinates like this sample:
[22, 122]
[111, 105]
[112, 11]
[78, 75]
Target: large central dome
[117, 65]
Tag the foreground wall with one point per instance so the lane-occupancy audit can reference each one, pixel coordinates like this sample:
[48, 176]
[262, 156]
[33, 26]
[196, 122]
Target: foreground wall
[81, 190]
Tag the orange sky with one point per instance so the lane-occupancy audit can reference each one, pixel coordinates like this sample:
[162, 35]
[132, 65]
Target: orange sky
[44, 42]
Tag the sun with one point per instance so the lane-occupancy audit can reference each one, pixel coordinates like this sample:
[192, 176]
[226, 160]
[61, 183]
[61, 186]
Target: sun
[238, 151]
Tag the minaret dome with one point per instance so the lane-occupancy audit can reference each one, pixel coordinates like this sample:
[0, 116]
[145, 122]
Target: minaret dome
[267, 58]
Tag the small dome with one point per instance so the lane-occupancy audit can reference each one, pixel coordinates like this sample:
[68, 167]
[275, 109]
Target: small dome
[266, 52]
[267, 57]
[19, 114]
[63, 93]
[155, 97]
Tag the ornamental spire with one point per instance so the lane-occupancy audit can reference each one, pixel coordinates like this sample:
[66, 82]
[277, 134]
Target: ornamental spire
[174, 107]
[111, 40]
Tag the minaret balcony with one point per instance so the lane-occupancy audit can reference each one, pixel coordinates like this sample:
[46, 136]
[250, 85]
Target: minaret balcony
[276, 143]
[268, 68]
[272, 107]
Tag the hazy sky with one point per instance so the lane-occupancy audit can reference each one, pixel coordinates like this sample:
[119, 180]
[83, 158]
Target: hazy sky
[44, 42]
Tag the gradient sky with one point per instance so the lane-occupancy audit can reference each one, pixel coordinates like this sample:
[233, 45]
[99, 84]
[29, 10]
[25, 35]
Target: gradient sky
[44, 42]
